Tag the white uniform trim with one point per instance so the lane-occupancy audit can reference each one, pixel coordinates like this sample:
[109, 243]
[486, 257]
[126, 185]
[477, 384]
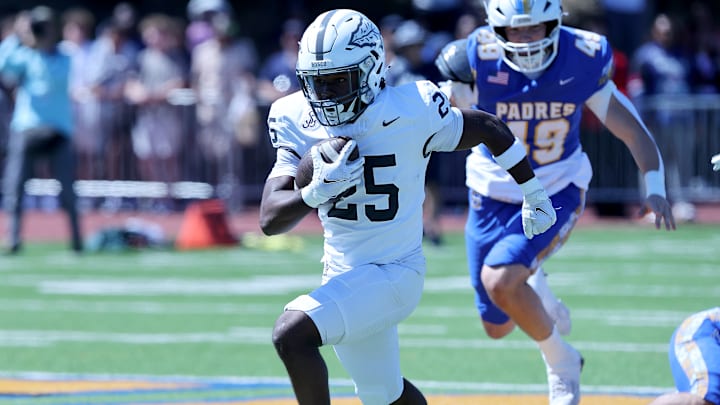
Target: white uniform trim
[512, 155]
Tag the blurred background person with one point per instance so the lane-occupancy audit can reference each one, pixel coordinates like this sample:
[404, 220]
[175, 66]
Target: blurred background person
[626, 22]
[223, 78]
[157, 133]
[42, 125]
[276, 77]
[113, 55]
[704, 49]
[200, 14]
[387, 26]
[78, 32]
[661, 72]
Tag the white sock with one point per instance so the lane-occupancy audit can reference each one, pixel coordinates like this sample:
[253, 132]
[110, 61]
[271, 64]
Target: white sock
[557, 353]
[538, 283]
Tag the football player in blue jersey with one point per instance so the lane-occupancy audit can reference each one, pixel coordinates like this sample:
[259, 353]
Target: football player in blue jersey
[371, 207]
[694, 356]
[537, 75]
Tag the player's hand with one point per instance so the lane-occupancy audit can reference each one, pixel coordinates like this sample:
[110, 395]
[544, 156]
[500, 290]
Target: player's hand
[330, 180]
[538, 214]
[662, 210]
[716, 162]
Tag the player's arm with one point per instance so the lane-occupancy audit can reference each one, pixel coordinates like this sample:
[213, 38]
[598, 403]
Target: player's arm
[619, 115]
[281, 206]
[480, 127]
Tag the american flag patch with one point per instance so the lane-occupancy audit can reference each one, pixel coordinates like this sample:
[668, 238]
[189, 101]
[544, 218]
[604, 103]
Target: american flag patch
[499, 78]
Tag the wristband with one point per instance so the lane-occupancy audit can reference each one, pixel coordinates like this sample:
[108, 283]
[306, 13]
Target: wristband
[531, 186]
[512, 155]
[654, 183]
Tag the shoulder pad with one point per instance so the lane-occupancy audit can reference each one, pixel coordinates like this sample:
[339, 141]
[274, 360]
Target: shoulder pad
[453, 64]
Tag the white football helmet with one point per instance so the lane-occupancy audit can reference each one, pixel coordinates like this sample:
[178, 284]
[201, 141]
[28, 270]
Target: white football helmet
[341, 41]
[528, 57]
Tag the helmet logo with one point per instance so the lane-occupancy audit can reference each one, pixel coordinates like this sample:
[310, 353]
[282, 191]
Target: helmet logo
[365, 34]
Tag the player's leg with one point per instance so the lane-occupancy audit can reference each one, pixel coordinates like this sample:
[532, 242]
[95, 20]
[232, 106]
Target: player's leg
[374, 365]
[63, 164]
[484, 226]
[18, 167]
[504, 275]
[554, 306]
[350, 307]
[369, 351]
[297, 342]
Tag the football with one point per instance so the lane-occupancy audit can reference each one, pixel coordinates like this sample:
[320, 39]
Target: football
[329, 150]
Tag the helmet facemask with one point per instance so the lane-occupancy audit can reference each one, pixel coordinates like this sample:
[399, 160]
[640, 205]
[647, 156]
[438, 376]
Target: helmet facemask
[344, 104]
[533, 56]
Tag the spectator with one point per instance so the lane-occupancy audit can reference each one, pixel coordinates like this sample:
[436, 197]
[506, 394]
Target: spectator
[157, 131]
[277, 75]
[705, 60]
[663, 74]
[388, 25]
[113, 56]
[626, 22]
[223, 77]
[41, 126]
[77, 31]
[200, 13]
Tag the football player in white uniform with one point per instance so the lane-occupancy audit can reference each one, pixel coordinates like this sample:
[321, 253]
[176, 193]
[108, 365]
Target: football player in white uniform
[537, 75]
[373, 262]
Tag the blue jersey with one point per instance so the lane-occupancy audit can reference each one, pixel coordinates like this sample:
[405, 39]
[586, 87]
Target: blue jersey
[695, 355]
[543, 112]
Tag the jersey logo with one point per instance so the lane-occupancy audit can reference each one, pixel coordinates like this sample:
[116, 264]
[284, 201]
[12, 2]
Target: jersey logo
[311, 121]
[500, 78]
[386, 123]
[566, 81]
[425, 152]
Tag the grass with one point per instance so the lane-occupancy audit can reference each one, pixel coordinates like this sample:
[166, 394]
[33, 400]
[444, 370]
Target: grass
[206, 316]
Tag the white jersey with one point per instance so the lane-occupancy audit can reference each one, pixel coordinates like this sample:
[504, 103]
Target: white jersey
[381, 222]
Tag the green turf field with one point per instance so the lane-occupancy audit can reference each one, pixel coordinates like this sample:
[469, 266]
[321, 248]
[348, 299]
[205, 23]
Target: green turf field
[204, 318]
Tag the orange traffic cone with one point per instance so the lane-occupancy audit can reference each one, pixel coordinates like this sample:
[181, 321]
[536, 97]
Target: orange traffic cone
[204, 225]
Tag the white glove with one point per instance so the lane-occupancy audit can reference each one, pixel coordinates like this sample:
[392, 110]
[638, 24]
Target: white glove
[538, 214]
[716, 162]
[332, 179]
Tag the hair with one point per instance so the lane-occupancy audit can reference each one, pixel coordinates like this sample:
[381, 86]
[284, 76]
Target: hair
[44, 23]
[81, 17]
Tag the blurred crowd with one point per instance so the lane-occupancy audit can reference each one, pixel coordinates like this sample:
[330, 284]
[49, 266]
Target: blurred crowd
[164, 98]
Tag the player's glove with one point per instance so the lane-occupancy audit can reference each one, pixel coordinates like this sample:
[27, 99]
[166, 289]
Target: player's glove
[331, 179]
[716, 162]
[538, 214]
